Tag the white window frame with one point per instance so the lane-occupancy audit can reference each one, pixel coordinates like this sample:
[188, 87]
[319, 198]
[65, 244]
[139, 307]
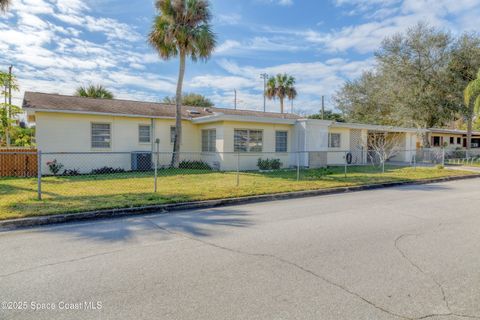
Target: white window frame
[330, 140]
[211, 140]
[149, 134]
[286, 141]
[109, 135]
[248, 147]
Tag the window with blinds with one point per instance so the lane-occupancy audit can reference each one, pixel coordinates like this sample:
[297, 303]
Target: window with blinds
[144, 134]
[101, 136]
[248, 140]
[281, 144]
[209, 140]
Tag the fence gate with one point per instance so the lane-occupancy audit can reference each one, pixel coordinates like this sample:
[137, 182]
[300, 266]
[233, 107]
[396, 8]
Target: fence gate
[18, 162]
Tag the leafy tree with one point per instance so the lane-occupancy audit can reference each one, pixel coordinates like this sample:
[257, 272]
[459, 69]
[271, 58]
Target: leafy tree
[22, 136]
[281, 86]
[472, 101]
[182, 29]
[8, 111]
[4, 5]
[463, 67]
[94, 91]
[328, 115]
[191, 99]
[412, 83]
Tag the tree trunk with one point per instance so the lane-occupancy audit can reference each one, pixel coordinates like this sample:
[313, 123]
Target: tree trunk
[469, 129]
[281, 105]
[178, 113]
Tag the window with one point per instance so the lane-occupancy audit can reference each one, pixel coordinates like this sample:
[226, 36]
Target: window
[144, 134]
[452, 140]
[334, 140]
[248, 140]
[281, 138]
[101, 135]
[436, 141]
[459, 140]
[209, 140]
[172, 134]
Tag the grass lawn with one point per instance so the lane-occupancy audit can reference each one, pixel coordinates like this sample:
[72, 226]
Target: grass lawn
[83, 193]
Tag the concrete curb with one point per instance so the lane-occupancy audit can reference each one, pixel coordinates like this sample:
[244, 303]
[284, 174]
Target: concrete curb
[12, 224]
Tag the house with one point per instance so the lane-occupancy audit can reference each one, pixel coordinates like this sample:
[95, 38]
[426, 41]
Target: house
[452, 139]
[87, 133]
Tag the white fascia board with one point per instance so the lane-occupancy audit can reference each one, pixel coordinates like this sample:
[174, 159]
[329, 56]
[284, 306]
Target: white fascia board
[237, 118]
[33, 110]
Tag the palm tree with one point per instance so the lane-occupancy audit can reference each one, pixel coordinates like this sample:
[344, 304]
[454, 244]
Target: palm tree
[94, 91]
[281, 86]
[472, 101]
[4, 5]
[182, 29]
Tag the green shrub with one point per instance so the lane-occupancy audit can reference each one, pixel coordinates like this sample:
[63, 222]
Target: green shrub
[269, 164]
[195, 165]
[439, 167]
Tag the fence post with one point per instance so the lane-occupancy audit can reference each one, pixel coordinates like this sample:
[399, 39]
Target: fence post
[155, 165]
[39, 174]
[415, 160]
[346, 163]
[298, 166]
[443, 157]
[238, 168]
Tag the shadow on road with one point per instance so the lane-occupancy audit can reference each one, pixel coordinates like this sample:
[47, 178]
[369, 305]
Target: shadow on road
[202, 223]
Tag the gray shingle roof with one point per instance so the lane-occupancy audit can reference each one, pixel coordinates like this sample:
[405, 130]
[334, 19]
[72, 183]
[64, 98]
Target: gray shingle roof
[56, 102]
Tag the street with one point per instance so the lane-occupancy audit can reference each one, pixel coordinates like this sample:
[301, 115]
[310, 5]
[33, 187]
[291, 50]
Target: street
[399, 253]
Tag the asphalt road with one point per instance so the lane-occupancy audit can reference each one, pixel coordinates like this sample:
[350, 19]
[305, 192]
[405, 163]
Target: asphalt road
[402, 253]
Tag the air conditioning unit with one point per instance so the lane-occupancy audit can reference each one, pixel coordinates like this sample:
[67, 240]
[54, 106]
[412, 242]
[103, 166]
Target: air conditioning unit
[141, 161]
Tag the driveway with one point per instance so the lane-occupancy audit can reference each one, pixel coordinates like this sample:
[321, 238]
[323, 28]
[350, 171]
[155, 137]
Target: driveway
[400, 253]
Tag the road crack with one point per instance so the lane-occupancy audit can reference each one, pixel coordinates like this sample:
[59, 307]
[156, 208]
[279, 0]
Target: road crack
[425, 273]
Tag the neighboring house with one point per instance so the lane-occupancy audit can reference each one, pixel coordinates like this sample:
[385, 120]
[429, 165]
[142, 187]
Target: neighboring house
[106, 132]
[452, 139]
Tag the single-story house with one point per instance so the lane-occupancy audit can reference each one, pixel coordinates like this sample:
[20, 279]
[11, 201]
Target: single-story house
[87, 133]
[452, 139]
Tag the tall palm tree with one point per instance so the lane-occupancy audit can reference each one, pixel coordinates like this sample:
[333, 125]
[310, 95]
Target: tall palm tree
[472, 101]
[94, 91]
[4, 5]
[281, 86]
[182, 29]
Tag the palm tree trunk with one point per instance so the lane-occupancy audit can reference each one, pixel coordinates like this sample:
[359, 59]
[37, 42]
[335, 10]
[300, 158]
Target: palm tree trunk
[469, 129]
[178, 114]
[281, 105]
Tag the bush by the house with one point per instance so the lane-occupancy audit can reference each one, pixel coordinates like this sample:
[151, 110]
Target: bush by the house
[54, 166]
[269, 164]
[195, 165]
[107, 170]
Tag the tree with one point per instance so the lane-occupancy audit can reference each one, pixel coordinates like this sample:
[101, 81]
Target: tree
[182, 29]
[8, 111]
[463, 68]
[4, 5]
[191, 99]
[409, 85]
[472, 101]
[328, 115]
[281, 86]
[383, 146]
[94, 91]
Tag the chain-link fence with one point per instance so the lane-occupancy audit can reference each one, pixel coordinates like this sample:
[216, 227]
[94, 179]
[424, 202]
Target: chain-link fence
[463, 157]
[71, 180]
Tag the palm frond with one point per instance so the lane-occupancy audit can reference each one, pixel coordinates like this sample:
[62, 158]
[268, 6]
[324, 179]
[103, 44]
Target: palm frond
[94, 91]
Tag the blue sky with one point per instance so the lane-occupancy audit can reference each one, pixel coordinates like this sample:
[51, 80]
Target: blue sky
[57, 45]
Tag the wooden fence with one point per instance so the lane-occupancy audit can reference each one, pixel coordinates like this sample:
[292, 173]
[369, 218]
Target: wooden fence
[18, 162]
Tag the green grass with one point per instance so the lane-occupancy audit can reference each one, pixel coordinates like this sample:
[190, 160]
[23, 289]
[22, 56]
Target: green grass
[83, 193]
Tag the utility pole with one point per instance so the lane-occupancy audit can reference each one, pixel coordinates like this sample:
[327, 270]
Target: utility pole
[235, 101]
[323, 107]
[264, 76]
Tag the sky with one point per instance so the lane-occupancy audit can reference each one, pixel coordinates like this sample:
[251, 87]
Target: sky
[57, 45]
